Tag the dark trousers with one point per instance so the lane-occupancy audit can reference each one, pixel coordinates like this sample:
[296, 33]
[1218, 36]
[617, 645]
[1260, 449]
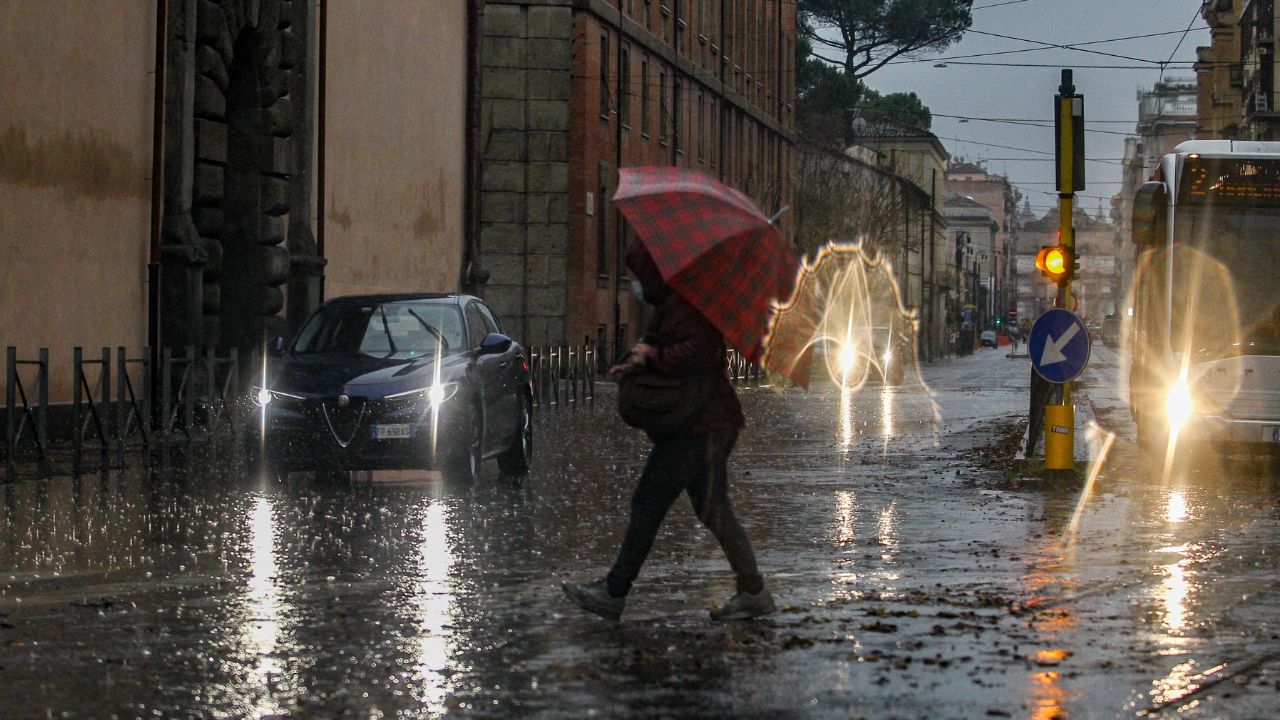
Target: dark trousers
[696, 464]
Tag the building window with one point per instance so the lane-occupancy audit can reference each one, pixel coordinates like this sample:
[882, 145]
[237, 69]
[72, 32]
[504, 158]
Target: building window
[644, 97]
[663, 117]
[624, 87]
[604, 76]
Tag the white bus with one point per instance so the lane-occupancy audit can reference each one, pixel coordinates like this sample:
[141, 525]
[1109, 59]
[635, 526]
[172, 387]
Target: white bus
[1206, 297]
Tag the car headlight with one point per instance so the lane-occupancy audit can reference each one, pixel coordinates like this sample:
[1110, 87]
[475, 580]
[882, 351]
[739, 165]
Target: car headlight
[264, 396]
[1178, 404]
[437, 395]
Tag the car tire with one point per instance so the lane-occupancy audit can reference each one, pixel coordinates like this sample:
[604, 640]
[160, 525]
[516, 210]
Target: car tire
[515, 460]
[464, 463]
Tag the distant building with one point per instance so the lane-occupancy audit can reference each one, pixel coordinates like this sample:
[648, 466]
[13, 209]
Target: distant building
[973, 230]
[1259, 80]
[999, 196]
[918, 249]
[1095, 290]
[1219, 73]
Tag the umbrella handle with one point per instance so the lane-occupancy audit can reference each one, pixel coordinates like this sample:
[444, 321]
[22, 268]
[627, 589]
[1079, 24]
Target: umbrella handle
[778, 214]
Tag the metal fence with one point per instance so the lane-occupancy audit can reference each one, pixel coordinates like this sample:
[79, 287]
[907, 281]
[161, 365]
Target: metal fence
[21, 418]
[741, 370]
[121, 407]
[563, 376]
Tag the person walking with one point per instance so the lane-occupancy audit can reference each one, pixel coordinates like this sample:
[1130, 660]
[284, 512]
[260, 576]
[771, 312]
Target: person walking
[680, 341]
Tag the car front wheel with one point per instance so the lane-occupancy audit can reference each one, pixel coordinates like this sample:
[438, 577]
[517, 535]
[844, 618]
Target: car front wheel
[464, 464]
[515, 460]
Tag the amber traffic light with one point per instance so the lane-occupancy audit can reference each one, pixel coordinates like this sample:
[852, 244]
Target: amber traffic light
[1056, 263]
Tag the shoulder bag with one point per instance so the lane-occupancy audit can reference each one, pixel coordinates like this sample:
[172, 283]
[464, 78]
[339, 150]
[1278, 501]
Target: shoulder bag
[663, 404]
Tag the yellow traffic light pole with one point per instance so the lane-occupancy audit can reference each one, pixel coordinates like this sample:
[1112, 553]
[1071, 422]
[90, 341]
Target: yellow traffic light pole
[1059, 420]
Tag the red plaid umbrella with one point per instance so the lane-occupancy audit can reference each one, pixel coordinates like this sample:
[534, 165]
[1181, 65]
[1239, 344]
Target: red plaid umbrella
[715, 247]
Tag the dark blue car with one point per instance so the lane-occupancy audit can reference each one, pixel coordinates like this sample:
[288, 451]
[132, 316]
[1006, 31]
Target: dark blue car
[400, 381]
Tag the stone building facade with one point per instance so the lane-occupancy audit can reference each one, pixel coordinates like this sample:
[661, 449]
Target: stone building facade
[572, 90]
[237, 232]
[975, 238]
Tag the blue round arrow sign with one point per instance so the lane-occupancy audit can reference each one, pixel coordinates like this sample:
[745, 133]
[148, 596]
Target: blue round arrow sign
[1059, 345]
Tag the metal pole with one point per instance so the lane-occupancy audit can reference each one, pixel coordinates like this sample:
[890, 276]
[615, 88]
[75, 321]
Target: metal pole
[77, 396]
[188, 388]
[122, 406]
[42, 416]
[166, 394]
[143, 423]
[104, 396]
[10, 384]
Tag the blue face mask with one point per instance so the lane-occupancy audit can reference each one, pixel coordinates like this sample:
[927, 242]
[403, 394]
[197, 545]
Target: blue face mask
[637, 289]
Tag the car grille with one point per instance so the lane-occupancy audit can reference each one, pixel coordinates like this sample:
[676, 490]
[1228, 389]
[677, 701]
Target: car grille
[344, 422]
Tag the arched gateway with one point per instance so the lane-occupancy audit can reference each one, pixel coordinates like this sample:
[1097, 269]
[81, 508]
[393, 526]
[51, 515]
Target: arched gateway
[238, 137]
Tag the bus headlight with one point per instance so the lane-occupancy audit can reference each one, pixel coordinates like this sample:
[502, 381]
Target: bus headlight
[1178, 404]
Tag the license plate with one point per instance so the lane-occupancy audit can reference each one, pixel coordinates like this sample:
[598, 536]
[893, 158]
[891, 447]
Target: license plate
[391, 432]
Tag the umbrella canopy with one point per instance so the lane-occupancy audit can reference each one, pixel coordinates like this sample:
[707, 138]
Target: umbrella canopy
[717, 249]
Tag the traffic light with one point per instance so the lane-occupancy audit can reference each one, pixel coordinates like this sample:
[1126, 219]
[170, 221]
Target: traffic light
[1057, 263]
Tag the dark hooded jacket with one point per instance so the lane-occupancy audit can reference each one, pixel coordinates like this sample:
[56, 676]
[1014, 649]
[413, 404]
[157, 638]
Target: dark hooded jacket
[684, 342]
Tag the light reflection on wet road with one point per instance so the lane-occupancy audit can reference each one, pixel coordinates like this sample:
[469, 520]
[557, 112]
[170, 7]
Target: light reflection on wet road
[913, 580]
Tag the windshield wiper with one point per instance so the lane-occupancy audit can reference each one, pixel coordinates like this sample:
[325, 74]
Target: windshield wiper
[386, 329]
[426, 326]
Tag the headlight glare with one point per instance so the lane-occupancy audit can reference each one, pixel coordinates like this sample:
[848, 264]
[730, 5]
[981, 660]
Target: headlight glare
[437, 395]
[1178, 404]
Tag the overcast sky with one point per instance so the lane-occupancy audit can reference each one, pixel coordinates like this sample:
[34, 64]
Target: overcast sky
[1026, 92]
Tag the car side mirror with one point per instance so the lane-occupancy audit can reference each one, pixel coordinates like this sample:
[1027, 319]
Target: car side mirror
[495, 344]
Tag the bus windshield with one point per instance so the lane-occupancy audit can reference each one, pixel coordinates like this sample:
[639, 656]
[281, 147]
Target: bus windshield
[1225, 299]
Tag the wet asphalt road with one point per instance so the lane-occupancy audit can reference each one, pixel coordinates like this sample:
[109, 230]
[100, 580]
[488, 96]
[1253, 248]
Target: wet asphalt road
[917, 577]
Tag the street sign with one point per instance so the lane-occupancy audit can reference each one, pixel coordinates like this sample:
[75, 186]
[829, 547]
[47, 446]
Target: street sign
[1059, 346]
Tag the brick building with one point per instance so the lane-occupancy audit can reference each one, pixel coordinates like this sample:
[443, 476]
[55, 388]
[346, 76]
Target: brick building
[571, 90]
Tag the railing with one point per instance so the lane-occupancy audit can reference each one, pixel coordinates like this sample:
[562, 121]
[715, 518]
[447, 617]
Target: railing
[17, 421]
[741, 370]
[563, 376]
[95, 420]
[121, 407]
[196, 398]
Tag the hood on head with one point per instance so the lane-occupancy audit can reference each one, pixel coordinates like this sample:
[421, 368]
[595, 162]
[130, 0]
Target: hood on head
[642, 265]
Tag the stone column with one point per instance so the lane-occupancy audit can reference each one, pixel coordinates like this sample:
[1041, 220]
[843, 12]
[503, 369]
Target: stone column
[306, 268]
[525, 62]
[182, 256]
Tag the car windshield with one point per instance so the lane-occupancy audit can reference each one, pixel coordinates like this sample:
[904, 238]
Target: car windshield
[382, 329]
